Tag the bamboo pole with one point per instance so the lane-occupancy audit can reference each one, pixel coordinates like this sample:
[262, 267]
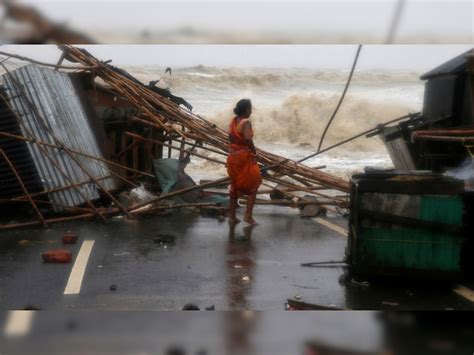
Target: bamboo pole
[365, 133]
[180, 192]
[144, 210]
[285, 183]
[25, 190]
[130, 134]
[56, 189]
[51, 203]
[293, 203]
[26, 59]
[50, 145]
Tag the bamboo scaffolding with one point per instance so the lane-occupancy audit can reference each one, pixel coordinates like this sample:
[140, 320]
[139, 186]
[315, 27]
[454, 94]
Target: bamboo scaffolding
[184, 128]
[171, 118]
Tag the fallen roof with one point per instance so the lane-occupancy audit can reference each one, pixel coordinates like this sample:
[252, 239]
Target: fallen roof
[49, 110]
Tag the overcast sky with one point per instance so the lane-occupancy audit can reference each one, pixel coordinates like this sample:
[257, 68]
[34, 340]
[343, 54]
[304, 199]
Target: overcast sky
[393, 57]
[443, 17]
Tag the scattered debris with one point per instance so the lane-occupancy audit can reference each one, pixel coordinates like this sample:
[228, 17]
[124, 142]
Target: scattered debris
[305, 287]
[144, 121]
[190, 307]
[295, 305]
[362, 283]
[393, 304]
[58, 256]
[32, 307]
[124, 253]
[310, 211]
[164, 238]
[140, 194]
[69, 238]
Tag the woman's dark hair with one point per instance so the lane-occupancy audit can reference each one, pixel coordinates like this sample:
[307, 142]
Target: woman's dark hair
[242, 107]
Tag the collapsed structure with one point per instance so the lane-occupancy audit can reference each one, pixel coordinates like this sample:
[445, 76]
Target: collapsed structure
[442, 137]
[73, 137]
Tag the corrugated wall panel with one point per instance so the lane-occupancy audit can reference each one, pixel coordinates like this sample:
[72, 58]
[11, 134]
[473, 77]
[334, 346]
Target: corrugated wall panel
[57, 109]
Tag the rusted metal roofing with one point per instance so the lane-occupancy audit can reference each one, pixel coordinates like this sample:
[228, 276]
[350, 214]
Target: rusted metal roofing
[48, 106]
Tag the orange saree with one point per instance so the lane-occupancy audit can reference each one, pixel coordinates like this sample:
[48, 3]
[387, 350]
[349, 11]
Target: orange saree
[242, 166]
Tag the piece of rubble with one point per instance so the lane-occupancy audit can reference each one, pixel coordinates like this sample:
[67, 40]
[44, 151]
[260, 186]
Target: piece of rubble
[164, 238]
[190, 307]
[69, 238]
[125, 199]
[310, 211]
[58, 256]
[278, 194]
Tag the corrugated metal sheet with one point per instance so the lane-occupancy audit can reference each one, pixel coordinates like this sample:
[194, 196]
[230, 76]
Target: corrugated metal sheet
[57, 107]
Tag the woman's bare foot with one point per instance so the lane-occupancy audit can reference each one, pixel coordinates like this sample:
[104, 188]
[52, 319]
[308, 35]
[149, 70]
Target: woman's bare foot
[234, 220]
[250, 221]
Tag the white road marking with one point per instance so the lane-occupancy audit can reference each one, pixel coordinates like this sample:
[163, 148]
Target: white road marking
[332, 226]
[465, 292]
[74, 283]
[18, 323]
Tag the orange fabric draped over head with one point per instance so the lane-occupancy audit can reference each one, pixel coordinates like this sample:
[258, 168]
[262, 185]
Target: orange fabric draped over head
[242, 166]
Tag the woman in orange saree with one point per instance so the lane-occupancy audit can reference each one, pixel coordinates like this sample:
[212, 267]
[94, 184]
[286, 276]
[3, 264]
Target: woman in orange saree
[242, 166]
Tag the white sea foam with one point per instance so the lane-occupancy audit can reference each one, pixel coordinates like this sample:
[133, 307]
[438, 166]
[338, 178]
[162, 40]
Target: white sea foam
[292, 107]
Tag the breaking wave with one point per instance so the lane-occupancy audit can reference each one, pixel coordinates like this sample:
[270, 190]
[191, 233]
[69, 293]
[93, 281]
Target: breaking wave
[186, 79]
[301, 118]
[292, 106]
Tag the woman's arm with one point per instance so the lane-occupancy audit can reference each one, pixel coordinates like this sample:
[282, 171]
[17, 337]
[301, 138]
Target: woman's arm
[247, 132]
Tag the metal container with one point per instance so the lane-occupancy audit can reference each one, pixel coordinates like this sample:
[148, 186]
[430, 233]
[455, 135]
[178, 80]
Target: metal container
[407, 224]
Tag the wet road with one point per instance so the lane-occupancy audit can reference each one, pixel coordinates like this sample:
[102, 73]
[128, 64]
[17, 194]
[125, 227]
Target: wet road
[138, 332]
[164, 263]
[247, 332]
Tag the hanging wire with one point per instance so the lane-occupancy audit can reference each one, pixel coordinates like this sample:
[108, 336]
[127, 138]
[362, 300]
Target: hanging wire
[341, 99]
[392, 30]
